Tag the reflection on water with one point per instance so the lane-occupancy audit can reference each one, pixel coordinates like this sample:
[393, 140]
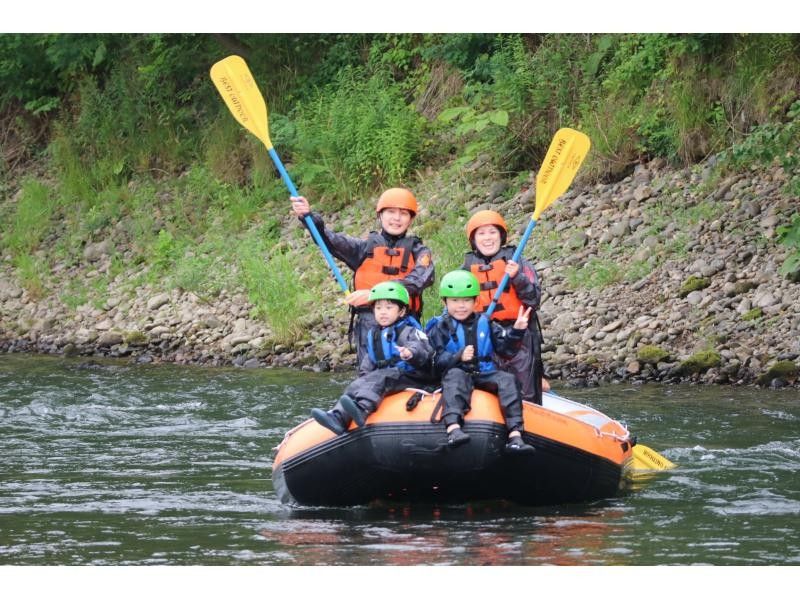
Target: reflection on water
[110, 463]
[481, 534]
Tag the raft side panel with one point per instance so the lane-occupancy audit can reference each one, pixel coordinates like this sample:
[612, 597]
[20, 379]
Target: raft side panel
[412, 462]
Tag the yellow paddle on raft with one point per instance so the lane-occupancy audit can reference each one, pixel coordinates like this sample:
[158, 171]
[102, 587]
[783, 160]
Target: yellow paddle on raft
[564, 156]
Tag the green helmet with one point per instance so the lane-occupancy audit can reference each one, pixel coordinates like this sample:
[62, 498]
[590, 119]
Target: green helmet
[391, 290]
[459, 283]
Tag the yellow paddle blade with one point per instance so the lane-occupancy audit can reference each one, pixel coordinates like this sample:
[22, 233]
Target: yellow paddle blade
[645, 458]
[237, 87]
[565, 155]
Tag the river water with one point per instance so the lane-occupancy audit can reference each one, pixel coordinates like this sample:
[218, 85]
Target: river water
[108, 463]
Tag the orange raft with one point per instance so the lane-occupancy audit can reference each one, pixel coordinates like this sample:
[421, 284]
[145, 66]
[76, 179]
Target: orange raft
[400, 455]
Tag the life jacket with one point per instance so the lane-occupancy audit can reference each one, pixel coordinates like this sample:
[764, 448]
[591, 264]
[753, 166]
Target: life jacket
[387, 263]
[382, 345]
[478, 334]
[489, 276]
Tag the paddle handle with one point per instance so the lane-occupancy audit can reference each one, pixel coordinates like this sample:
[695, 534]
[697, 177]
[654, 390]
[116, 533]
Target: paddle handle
[308, 220]
[515, 258]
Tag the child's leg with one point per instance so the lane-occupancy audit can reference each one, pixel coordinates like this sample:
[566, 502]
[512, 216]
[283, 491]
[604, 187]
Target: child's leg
[457, 393]
[510, 401]
[511, 406]
[365, 394]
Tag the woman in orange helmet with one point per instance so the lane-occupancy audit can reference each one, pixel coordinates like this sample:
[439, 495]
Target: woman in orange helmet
[489, 260]
[388, 254]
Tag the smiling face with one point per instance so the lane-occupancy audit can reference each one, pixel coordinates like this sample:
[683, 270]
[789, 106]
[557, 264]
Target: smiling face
[395, 221]
[487, 239]
[460, 308]
[387, 312]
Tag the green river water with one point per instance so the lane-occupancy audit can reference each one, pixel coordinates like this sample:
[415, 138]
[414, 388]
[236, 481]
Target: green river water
[108, 463]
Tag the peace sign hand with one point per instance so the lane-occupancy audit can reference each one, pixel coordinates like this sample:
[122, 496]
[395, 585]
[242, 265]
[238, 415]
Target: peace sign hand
[522, 318]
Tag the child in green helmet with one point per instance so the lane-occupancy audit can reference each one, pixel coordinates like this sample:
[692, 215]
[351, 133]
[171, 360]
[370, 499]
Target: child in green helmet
[465, 344]
[397, 356]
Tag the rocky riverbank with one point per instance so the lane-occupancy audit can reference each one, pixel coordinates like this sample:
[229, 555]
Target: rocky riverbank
[665, 276]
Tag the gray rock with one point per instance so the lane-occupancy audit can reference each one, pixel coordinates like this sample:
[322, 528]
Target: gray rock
[642, 192]
[8, 290]
[578, 240]
[240, 339]
[765, 299]
[109, 339]
[157, 301]
[620, 229]
[695, 297]
[96, 251]
[497, 189]
[769, 221]
[612, 326]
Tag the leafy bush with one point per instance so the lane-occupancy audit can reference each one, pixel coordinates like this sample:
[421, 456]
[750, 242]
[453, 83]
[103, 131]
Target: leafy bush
[770, 143]
[355, 134]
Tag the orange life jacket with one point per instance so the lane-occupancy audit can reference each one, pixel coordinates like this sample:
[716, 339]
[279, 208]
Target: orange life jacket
[489, 276]
[387, 263]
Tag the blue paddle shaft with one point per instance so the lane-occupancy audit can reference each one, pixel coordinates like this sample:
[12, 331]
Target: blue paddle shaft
[307, 219]
[514, 258]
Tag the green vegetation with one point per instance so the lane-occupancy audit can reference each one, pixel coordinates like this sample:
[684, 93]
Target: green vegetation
[700, 362]
[123, 136]
[595, 273]
[784, 370]
[652, 354]
[790, 237]
[693, 283]
[135, 338]
[753, 314]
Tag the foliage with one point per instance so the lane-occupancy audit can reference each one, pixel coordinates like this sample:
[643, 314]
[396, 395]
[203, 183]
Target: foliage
[39, 70]
[753, 314]
[595, 273]
[140, 146]
[789, 236]
[770, 143]
[693, 283]
[652, 354]
[699, 362]
[274, 289]
[29, 221]
[356, 134]
[472, 124]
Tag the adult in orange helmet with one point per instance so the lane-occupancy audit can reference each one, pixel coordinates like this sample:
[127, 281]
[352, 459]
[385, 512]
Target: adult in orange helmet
[489, 260]
[388, 254]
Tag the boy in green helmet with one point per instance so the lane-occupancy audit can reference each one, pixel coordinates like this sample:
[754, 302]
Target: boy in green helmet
[397, 356]
[465, 344]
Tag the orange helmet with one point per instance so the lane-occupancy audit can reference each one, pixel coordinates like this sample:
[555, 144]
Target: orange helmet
[483, 217]
[398, 198]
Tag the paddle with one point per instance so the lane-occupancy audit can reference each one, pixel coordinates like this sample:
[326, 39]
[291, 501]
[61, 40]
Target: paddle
[236, 85]
[564, 156]
[646, 459]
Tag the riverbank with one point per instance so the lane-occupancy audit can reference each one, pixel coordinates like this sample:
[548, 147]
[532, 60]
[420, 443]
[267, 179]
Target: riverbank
[668, 275]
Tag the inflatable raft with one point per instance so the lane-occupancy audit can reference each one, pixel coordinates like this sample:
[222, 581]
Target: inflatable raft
[400, 455]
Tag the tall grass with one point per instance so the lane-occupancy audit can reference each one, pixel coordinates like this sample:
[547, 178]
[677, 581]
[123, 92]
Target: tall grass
[28, 225]
[274, 289]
